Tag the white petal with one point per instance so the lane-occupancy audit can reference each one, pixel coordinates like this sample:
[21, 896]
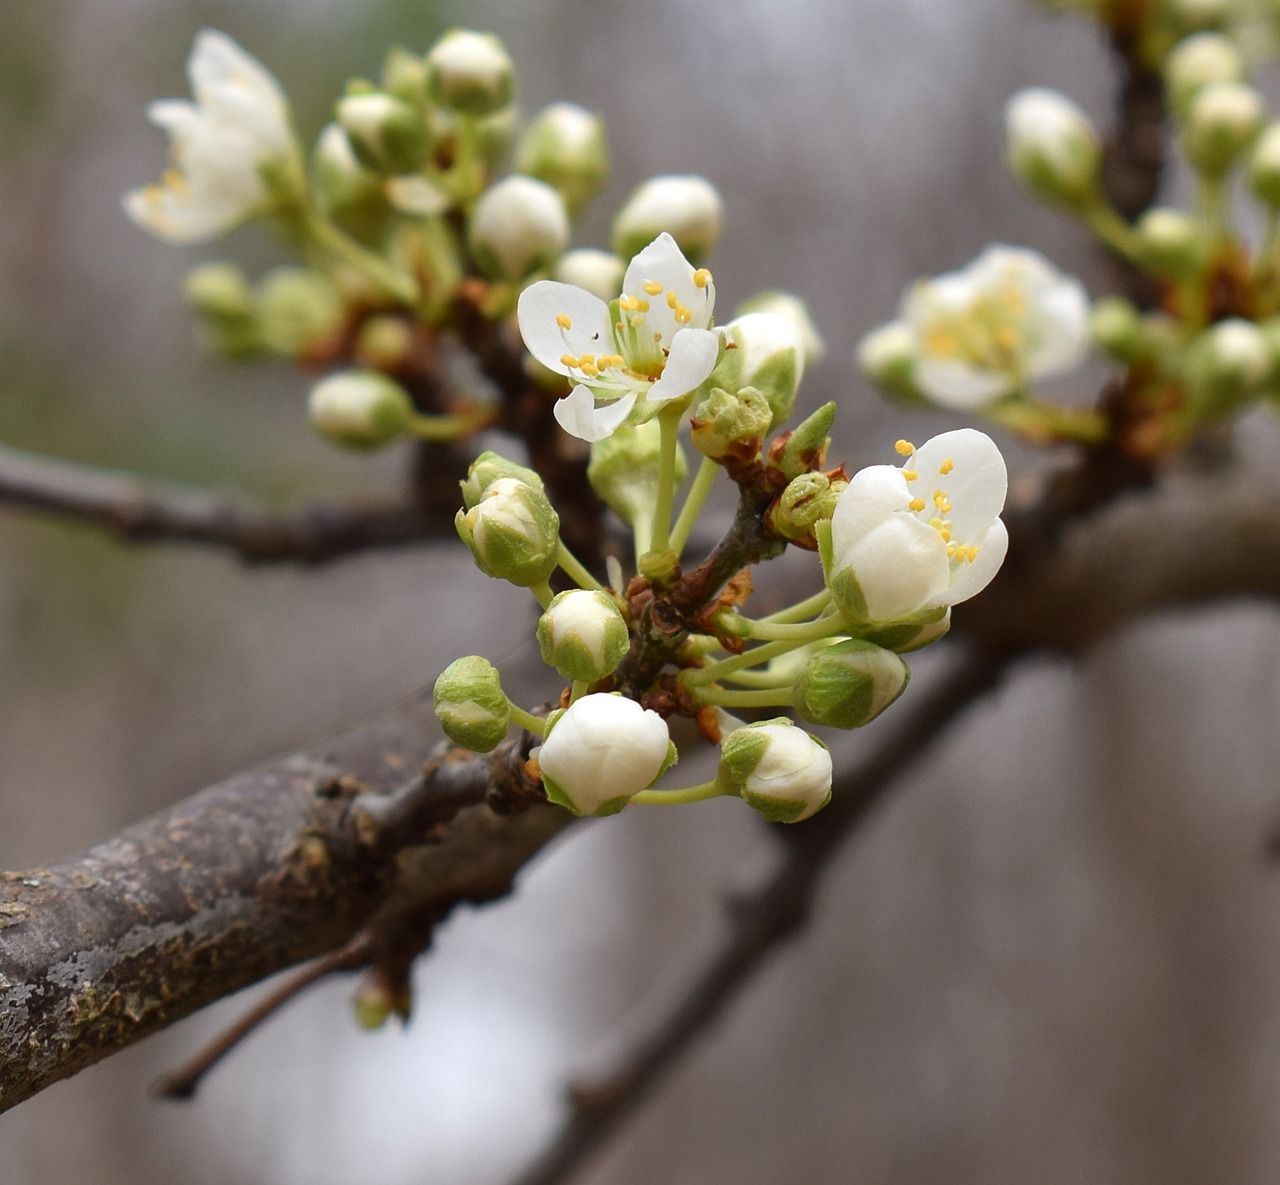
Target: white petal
[159, 210]
[578, 415]
[416, 196]
[217, 61]
[901, 567]
[589, 332]
[976, 486]
[1062, 335]
[958, 385]
[693, 357]
[992, 547]
[662, 262]
[871, 498]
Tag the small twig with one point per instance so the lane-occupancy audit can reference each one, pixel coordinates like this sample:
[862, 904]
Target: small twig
[138, 510]
[761, 922]
[182, 1083]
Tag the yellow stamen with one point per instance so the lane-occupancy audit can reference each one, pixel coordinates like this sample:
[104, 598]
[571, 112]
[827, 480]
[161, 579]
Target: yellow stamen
[587, 360]
[905, 448]
[642, 305]
[607, 360]
[619, 326]
[568, 360]
[910, 474]
[702, 277]
[628, 304]
[589, 369]
[916, 504]
[652, 288]
[637, 319]
[563, 321]
[683, 316]
[946, 467]
[673, 301]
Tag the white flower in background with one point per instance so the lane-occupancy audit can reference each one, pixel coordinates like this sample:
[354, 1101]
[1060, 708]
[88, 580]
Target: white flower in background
[685, 206]
[1052, 147]
[1008, 318]
[912, 539]
[654, 343]
[602, 750]
[219, 144]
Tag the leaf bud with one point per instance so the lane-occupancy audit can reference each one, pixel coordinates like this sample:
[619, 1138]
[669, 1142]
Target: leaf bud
[687, 207]
[790, 306]
[470, 704]
[513, 533]
[1171, 243]
[517, 227]
[1222, 121]
[726, 425]
[583, 635]
[1116, 326]
[297, 308]
[776, 768]
[1197, 62]
[565, 145]
[624, 467]
[599, 272]
[849, 684]
[487, 468]
[764, 351]
[1052, 148]
[359, 409]
[807, 499]
[470, 73]
[804, 448]
[387, 135]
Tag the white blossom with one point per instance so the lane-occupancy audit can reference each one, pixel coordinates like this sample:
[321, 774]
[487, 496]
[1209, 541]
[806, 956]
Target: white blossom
[911, 539]
[1006, 319]
[219, 145]
[654, 343]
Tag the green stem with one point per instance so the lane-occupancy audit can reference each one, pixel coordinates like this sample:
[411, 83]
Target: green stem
[578, 690]
[699, 793]
[799, 633]
[543, 593]
[669, 422]
[715, 671]
[641, 530]
[529, 722]
[575, 569]
[703, 480]
[446, 428]
[802, 610]
[765, 697]
[760, 679]
[1111, 229]
[377, 271]
[1211, 198]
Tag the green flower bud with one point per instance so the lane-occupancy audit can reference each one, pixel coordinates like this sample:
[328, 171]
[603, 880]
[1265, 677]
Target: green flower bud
[1171, 244]
[785, 304]
[566, 147]
[220, 292]
[764, 351]
[1197, 62]
[340, 181]
[887, 357]
[731, 425]
[903, 637]
[359, 409]
[297, 308]
[517, 227]
[387, 134]
[1229, 362]
[1264, 167]
[583, 635]
[849, 684]
[513, 532]
[487, 468]
[688, 208]
[808, 498]
[623, 471]
[776, 768]
[805, 448]
[1222, 121]
[384, 342]
[470, 704]
[599, 272]
[1051, 148]
[470, 73]
[404, 75]
[494, 135]
[1116, 326]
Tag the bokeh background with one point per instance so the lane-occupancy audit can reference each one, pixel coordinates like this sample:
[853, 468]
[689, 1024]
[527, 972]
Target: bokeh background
[1054, 956]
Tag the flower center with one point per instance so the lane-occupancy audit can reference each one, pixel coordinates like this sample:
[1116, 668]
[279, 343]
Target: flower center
[937, 500]
[989, 332]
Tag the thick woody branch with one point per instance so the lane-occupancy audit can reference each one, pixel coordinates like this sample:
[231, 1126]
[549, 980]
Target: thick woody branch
[144, 511]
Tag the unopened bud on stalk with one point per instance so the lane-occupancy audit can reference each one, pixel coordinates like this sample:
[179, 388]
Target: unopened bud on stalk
[1222, 121]
[807, 500]
[513, 532]
[583, 635]
[599, 272]
[1052, 148]
[1116, 326]
[470, 73]
[1171, 243]
[359, 409]
[384, 342]
[725, 424]
[776, 768]
[764, 351]
[487, 468]
[404, 75]
[517, 227]
[296, 308]
[1197, 62]
[906, 636]
[1264, 167]
[339, 179]
[785, 304]
[470, 704]
[387, 134]
[887, 357]
[849, 684]
[565, 145]
[688, 208]
[1228, 363]
[219, 291]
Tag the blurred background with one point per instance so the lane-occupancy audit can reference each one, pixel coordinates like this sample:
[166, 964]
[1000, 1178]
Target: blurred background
[1054, 956]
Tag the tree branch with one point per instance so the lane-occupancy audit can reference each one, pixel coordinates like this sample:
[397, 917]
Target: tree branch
[143, 511]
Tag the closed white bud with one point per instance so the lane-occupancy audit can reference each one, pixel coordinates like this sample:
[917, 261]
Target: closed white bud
[517, 227]
[602, 750]
[1171, 243]
[1116, 326]
[296, 309]
[565, 145]
[686, 207]
[764, 351]
[849, 684]
[583, 635]
[599, 272]
[1229, 362]
[470, 73]
[339, 179]
[786, 304]
[887, 356]
[1052, 148]
[359, 409]
[220, 292]
[387, 134]
[777, 768]
[1222, 121]
[513, 533]
[487, 468]
[1264, 167]
[1198, 62]
[470, 704]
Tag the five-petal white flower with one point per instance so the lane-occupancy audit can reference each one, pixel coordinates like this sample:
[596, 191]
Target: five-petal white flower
[1006, 319]
[654, 343]
[913, 539]
[219, 144]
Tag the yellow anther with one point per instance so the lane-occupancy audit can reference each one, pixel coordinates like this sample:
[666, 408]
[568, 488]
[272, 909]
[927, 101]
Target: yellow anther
[563, 321]
[568, 360]
[587, 360]
[637, 319]
[683, 316]
[607, 360]
[628, 304]
[910, 474]
[916, 504]
[618, 326]
[652, 288]
[945, 535]
[589, 369]
[673, 301]
[174, 179]
[642, 305]
[702, 277]
[973, 553]
[905, 448]
[951, 551]
[946, 467]
[657, 337]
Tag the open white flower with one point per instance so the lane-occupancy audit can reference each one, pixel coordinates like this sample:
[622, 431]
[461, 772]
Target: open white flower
[654, 343]
[914, 539]
[219, 145]
[1006, 319]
